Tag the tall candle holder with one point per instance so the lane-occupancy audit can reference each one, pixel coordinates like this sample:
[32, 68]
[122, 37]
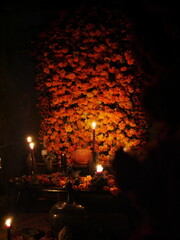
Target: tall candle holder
[29, 158]
[8, 225]
[63, 164]
[31, 145]
[93, 160]
[93, 130]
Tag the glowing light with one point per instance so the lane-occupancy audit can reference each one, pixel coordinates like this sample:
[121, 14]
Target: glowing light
[99, 168]
[44, 152]
[8, 222]
[93, 125]
[125, 149]
[31, 145]
[29, 139]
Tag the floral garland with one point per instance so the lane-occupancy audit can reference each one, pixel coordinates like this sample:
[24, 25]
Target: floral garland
[100, 181]
[85, 71]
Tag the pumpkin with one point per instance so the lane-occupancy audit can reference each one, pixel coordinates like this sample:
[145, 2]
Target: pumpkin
[81, 157]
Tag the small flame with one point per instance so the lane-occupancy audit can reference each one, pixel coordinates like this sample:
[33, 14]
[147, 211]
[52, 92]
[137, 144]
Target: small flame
[31, 145]
[125, 149]
[29, 139]
[8, 222]
[99, 168]
[93, 125]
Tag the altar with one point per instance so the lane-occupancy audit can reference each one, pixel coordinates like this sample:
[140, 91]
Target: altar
[44, 190]
[95, 205]
[41, 199]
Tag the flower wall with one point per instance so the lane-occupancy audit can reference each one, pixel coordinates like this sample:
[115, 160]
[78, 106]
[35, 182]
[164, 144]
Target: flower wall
[85, 72]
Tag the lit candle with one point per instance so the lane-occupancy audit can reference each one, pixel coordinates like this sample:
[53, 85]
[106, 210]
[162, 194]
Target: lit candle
[63, 161]
[93, 128]
[93, 125]
[99, 168]
[8, 225]
[92, 165]
[31, 145]
[29, 139]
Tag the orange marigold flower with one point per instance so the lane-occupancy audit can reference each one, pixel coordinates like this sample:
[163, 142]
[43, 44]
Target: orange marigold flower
[76, 59]
[68, 128]
[123, 69]
[64, 50]
[71, 76]
[51, 66]
[82, 63]
[130, 61]
[46, 70]
[56, 127]
[55, 77]
[62, 64]
[114, 190]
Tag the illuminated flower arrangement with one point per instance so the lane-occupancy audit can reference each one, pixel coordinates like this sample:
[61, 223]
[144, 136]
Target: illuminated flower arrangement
[85, 71]
[104, 182]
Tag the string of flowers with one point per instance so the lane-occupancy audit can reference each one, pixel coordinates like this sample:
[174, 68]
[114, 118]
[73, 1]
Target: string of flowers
[104, 182]
[86, 71]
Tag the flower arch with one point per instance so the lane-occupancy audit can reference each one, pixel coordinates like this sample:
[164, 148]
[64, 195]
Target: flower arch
[85, 71]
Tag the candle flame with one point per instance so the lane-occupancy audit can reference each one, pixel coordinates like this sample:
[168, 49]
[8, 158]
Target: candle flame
[31, 145]
[8, 222]
[29, 139]
[93, 125]
[125, 149]
[99, 168]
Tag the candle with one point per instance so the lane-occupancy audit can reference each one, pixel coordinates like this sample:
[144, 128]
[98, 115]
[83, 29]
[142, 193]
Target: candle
[29, 139]
[93, 128]
[64, 162]
[8, 225]
[92, 165]
[93, 125]
[31, 145]
[99, 168]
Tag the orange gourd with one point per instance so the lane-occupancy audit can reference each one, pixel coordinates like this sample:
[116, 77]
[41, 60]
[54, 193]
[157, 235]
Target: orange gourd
[81, 157]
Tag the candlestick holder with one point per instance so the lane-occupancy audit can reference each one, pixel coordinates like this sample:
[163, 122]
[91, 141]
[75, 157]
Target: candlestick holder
[9, 233]
[92, 164]
[99, 180]
[62, 168]
[33, 163]
[8, 225]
